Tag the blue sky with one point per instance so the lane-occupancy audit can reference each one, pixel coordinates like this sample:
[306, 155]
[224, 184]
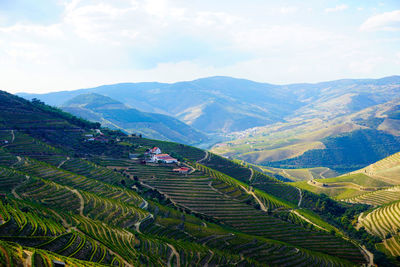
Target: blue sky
[50, 45]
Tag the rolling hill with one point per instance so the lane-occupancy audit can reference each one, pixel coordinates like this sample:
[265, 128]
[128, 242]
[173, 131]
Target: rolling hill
[115, 115]
[212, 105]
[293, 144]
[376, 185]
[370, 185]
[86, 203]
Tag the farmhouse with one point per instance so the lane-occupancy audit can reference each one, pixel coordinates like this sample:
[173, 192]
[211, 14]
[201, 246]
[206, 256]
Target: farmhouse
[165, 158]
[155, 150]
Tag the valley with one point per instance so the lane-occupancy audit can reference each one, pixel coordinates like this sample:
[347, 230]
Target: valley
[82, 202]
[112, 196]
[160, 133]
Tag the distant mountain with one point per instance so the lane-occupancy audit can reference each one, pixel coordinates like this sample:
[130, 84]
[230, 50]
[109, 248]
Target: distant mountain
[116, 115]
[225, 104]
[347, 151]
[214, 105]
[266, 123]
[289, 144]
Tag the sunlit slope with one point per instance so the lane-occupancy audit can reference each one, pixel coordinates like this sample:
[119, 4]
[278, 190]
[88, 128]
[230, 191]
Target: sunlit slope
[76, 200]
[293, 175]
[387, 169]
[308, 131]
[357, 186]
[116, 115]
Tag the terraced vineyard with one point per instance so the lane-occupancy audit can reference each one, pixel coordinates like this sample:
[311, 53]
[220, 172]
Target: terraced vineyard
[378, 197]
[383, 220]
[216, 197]
[77, 181]
[274, 187]
[87, 204]
[387, 169]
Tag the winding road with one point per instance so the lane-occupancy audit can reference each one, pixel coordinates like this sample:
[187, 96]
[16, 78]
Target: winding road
[204, 158]
[262, 206]
[62, 163]
[174, 252]
[12, 136]
[301, 197]
[251, 174]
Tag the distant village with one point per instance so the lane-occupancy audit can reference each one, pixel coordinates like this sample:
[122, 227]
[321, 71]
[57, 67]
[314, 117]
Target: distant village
[151, 155]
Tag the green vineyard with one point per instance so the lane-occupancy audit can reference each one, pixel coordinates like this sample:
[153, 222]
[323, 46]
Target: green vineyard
[65, 198]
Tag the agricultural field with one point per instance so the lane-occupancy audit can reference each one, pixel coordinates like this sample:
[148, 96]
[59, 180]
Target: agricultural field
[295, 175]
[349, 186]
[387, 169]
[87, 204]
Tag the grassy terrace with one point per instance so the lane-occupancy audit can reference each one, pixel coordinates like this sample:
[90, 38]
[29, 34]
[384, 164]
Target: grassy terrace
[29, 229]
[49, 194]
[148, 171]
[391, 246]
[275, 187]
[7, 159]
[79, 182]
[378, 197]
[93, 171]
[168, 224]
[16, 255]
[198, 195]
[111, 211]
[358, 178]
[383, 220]
[386, 169]
[119, 240]
[228, 167]
[25, 145]
[19, 223]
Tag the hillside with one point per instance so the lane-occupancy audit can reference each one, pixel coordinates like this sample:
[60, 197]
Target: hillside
[347, 151]
[387, 169]
[86, 203]
[212, 105]
[115, 115]
[376, 185]
[380, 177]
[293, 144]
[327, 115]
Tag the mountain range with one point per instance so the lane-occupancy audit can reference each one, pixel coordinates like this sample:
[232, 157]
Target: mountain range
[272, 125]
[116, 115]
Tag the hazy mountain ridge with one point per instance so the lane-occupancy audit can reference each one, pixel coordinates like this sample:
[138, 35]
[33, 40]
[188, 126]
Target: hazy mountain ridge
[116, 115]
[196, 102]
[307, 131]
[258, 103]
[289, 119]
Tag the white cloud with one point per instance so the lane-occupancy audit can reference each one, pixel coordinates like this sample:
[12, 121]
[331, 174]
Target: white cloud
[388, 21]
[288, 10]
[106, 41]
[290, 38]
[219, 19]
[365, 66]
[337, 8]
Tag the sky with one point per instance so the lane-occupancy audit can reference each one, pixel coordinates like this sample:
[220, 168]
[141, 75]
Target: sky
[53, 45]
